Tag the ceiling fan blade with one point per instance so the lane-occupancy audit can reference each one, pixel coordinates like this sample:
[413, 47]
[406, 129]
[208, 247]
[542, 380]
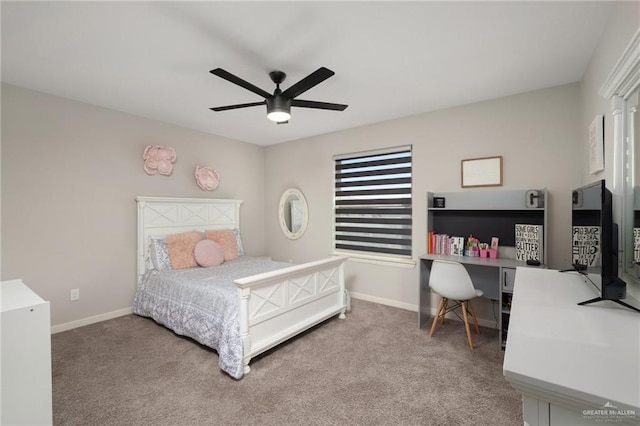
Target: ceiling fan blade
[316, 77]
[318, 105]
[240, 82]
[228, 107]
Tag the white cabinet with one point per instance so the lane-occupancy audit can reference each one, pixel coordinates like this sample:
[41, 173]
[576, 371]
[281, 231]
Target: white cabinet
[25, 369]
[574, 365]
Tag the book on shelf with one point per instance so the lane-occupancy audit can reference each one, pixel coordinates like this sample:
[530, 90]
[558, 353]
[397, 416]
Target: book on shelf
[457, 246]
[585, 245]
[636, 245]
[444, 244]
[529, 243]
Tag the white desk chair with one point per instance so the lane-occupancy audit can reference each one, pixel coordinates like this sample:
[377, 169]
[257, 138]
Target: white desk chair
[451, 281]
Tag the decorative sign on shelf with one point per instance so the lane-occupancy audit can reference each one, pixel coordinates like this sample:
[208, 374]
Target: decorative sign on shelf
[528, 242]
[585, 245]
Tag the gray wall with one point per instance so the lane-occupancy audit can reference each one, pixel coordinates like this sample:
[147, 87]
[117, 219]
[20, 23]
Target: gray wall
[543, 137]
[623, 24]
[537, 133]
[70, 174]
[64, 162]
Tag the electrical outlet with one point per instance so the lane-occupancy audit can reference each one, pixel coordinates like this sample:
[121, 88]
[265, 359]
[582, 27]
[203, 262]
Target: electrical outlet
[75, 294]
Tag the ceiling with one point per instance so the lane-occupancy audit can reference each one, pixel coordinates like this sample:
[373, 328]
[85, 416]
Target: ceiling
[391, 59]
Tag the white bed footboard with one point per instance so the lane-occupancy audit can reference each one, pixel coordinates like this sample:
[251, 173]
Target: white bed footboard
[276, 306]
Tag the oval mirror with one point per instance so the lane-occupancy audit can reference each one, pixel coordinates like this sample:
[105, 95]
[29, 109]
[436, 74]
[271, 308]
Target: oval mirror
[293, 213]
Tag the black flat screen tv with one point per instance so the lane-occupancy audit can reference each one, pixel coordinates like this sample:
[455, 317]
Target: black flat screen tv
[594, 242]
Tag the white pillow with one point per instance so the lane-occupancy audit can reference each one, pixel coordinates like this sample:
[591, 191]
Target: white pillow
[236, 233]
[159, 254]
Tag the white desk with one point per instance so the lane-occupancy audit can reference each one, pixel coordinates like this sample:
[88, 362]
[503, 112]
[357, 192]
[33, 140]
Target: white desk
[571, 363]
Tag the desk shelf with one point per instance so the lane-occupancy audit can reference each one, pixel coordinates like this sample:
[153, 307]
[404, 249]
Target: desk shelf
[484, 214]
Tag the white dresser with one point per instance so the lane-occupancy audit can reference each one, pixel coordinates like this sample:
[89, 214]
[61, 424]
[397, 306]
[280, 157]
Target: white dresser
[25, 325]
[574, 365]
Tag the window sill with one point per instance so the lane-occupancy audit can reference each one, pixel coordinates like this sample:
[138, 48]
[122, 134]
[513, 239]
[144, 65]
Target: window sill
[377, 260]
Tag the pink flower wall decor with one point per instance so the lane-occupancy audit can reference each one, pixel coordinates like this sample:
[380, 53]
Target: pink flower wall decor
[158, 159]
[207, 178]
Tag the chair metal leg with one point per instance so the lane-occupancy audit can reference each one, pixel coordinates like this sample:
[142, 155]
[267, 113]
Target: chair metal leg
[436, 318]
[473, 315]
[466, 323]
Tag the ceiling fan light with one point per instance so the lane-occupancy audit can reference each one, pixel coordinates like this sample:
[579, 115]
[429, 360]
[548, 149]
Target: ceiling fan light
[278, 116]
[278, 109]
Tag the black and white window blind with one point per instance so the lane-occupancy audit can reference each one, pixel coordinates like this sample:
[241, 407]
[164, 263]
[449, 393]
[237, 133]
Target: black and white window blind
[373, 202]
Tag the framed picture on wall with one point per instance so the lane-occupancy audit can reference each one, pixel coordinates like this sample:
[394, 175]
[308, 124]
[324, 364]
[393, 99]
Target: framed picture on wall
[596, 145]
[485, 171]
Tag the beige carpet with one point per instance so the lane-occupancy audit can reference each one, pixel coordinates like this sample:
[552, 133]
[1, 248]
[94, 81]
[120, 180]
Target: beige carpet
[373, 368]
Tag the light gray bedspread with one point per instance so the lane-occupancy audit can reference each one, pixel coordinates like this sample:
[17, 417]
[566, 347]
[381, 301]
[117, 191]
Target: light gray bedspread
[202, 303]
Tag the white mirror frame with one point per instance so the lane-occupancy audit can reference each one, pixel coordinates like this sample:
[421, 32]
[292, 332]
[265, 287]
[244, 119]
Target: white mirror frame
[282, 213]
[623, 80]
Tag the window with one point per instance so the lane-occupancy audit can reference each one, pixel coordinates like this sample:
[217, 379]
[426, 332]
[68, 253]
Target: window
[373, 202]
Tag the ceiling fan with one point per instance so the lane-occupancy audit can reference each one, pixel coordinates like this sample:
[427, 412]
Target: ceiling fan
[279, 104]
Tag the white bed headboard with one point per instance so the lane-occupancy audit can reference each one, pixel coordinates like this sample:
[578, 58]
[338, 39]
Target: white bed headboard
[167, 215]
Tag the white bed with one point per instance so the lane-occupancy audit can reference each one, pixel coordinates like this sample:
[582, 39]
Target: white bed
[272, 306]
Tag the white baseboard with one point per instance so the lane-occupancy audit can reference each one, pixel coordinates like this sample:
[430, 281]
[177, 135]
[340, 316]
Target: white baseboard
[91, 320]
[383, 301]
[409, 307]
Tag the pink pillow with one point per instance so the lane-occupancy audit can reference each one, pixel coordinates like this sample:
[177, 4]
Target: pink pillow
[226, 239]
[208, 253]
[180, 248]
